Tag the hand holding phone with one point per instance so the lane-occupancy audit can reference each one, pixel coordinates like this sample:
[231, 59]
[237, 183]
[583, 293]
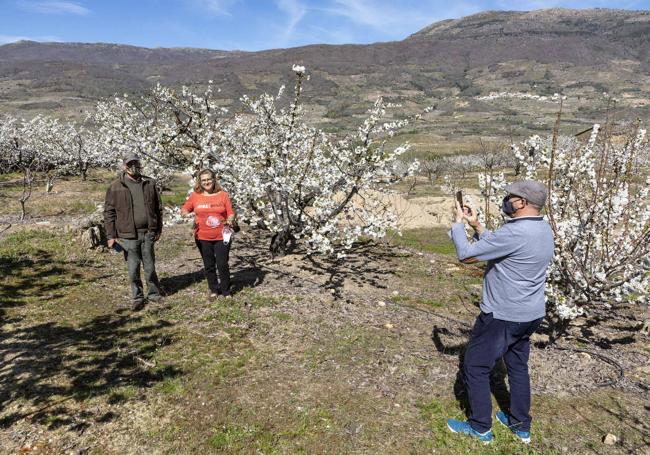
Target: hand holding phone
[117, 248]
[466, 208]
[459, 198]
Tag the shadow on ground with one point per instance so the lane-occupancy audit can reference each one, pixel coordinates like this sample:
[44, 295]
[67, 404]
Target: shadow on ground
[47, 367]
[173, 284]
[365, 264]
[22, 277]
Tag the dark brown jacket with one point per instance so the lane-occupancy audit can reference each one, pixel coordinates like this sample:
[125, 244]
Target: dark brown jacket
[118, 209]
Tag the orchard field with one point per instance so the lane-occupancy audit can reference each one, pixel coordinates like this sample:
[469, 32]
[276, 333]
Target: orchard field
[350, 313]
[312, 355]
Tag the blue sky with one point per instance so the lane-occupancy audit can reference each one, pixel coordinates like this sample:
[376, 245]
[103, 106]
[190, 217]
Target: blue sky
[246, 24]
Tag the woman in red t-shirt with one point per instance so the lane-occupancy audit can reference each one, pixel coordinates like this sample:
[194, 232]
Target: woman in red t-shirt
[212, 211]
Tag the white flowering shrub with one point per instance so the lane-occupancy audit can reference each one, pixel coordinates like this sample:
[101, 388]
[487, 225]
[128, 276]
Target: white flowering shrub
[491, 185]
[599, 211]
[171, 131]
[434, 167]
[519, 95]
[600, 214]
[65, 149]
[283, 175]
[18, 153]
[301, 183]
[44, 144]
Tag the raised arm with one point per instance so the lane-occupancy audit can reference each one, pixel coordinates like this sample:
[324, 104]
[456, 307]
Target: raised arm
[490, 246]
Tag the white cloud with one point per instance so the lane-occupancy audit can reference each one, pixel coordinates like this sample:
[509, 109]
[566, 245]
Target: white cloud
[295, 11]
[220, 7]
[402, 17]
[362, 11]
[55, 7]
[6, 39]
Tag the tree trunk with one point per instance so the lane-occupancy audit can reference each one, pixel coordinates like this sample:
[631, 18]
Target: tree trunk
[49, 184]
[282, 242]
[27, 192]
[557, 328]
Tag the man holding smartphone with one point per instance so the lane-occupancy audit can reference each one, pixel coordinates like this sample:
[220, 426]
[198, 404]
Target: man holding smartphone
[512, 305]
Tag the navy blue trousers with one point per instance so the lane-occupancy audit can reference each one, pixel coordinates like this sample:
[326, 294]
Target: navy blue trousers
[492, 339]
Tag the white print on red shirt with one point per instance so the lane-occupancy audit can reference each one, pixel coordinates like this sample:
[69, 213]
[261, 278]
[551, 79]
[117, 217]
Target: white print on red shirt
[212, 221]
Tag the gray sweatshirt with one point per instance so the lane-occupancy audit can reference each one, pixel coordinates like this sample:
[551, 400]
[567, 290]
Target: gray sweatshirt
[518, 255]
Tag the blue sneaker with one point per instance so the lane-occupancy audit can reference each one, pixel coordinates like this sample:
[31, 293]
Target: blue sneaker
[504, 419]
[456, 426]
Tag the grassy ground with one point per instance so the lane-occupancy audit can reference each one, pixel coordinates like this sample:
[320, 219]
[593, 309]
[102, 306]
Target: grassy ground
[430, 240]
[310, 356]
[69, 196]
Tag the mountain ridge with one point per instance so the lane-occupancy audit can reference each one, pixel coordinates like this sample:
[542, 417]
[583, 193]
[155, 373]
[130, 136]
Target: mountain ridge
[578, 52]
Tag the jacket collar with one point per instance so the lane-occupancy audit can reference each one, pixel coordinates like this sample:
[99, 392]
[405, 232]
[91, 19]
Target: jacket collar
[143, 179]
[531, 218]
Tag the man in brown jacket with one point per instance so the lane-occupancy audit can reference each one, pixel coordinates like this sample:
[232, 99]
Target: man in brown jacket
[133, 214]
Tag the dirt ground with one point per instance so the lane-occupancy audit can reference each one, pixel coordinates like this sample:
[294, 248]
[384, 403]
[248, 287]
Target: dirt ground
[312, 355]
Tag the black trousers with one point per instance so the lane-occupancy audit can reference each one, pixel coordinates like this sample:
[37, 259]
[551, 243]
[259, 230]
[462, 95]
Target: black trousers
[215, 258]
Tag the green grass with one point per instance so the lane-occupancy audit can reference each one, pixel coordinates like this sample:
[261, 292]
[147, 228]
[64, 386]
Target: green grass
[437, 411]
[171, 386]
[32, 242]
[37, 266]
[259, 435]
[122, 394]
[70, 196]
[232, 366]
[178, 198]
[81, 207]
[429, 240]
[217, 386]
[434, 303]
[9, 176]
[176, 193]
[236, 438]
[348, 345]
[280, 316]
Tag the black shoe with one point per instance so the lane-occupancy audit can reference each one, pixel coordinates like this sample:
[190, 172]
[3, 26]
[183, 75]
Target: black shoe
[137, 305]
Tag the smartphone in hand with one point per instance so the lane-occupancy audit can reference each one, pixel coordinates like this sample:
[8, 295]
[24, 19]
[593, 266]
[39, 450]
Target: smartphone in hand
[459, 198]
[120, 249]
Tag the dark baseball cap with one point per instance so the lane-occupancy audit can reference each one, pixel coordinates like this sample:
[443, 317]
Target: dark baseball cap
[130, 157]
[531, 190]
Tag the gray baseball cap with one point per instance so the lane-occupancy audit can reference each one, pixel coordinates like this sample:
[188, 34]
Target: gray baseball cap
[531, 190]
[130, 157]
